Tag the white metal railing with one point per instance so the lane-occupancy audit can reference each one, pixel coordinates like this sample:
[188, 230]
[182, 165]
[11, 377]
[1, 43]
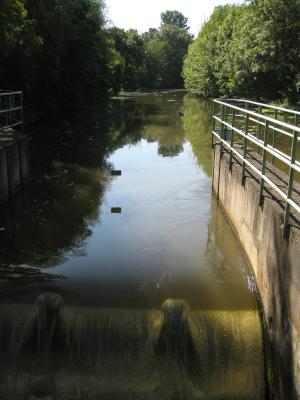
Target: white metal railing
[249, 123]
[263, 106]
[11, 110]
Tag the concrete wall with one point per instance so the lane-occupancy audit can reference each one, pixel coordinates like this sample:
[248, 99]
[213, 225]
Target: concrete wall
[14, 164]
[275, 262]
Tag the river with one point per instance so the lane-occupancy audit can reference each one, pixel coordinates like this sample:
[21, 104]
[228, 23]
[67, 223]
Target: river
[128, 286]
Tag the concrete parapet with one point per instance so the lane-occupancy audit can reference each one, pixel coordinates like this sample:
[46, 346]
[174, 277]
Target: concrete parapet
[275, 262]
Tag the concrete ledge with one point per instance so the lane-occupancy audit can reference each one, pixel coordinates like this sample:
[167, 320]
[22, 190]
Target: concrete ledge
[275, 262]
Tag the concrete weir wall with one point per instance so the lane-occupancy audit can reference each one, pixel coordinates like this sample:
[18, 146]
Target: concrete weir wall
[14, 164]
[275, 262]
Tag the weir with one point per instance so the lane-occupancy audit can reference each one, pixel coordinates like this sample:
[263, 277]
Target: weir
[256, 180]
[155, 302]
[118, 348]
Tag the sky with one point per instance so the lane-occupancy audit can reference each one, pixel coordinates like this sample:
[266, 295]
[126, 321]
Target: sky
[145, 14]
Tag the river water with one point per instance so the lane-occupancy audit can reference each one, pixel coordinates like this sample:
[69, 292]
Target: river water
[130, 286]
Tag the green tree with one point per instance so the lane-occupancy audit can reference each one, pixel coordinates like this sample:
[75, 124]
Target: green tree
[251, 50]
[155, 62]
[57, 51]
[165, 50]
[17, 45]
[74, 57]
[199, 70]
[175, 18]
[176, 42]
[275, 46]
[130, 46]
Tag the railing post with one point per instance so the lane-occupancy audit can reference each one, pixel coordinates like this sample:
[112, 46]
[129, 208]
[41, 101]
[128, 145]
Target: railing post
[6, 107]
[231, 139]
[225, 119]
[222, 119]
[245, 149]
[22, 112]
[213, 124]
[10, 112]
[258, 129]
[222, 129]
[263, 167]
[273, 134]
[290, 181]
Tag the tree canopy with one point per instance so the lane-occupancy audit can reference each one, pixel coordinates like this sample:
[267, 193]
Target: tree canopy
[175, 18]
[250, 50]
[154, 59]
[61, 51]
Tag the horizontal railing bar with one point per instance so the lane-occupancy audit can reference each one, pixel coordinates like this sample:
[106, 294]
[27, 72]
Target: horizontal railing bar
[262, 124]
[261, 116]
[264, 177]
[277, 153]
[10, 110]
[272, 127]
[11, 125]
[264, 105]
[8, 93]
[271, 150]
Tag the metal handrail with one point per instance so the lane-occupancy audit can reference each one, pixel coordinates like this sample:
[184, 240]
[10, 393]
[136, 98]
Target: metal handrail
[11, 110]
[286, 110]
[5, 92]
[268, 148]
[227, 119]
[262, 116]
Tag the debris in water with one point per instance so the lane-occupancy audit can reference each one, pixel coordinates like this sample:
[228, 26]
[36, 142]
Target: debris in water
[115, 172]
[116, 210]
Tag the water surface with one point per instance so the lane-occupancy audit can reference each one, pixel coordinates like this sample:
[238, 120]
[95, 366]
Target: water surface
[156, 299]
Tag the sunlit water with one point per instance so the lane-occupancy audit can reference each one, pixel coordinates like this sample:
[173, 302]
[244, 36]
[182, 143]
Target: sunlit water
[154, 301]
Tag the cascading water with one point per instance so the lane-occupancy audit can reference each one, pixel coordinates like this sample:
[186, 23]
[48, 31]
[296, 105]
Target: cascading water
[112, 353]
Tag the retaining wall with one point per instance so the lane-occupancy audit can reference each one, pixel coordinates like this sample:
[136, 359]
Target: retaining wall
[14, 164]
[275, 262]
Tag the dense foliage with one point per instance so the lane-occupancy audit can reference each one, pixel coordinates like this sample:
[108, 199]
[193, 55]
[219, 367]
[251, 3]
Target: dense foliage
[154, 59]
[248, 50]
[60, 52]
[57, 51]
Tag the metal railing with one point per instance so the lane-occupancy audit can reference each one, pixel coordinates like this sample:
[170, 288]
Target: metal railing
[242, 126]
[11, 110]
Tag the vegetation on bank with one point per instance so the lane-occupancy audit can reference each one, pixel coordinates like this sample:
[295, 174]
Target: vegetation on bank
[250, 50]
[154, 59]
[60, 52]
[56, 51]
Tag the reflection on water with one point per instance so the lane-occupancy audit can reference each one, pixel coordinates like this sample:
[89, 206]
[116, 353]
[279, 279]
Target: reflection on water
[153, 302]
